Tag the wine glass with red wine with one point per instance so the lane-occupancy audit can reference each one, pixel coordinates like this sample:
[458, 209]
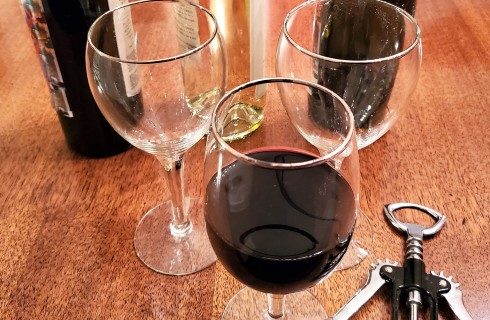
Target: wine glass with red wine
[146, 63]
[279, 210]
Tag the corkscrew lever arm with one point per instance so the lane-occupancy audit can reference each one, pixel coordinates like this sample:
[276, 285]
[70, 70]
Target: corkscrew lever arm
[373, 284]
[454, 297]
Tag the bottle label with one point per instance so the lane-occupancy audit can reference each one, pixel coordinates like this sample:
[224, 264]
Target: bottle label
[126, 46]
[258, 30]
[187, 26]
[35, 18]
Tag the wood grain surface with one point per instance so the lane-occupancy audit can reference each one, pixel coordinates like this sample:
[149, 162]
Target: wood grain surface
[67, 222]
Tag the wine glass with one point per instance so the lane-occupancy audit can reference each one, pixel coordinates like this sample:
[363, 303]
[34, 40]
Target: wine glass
[369, 53]
[156, 70]
[279, 211]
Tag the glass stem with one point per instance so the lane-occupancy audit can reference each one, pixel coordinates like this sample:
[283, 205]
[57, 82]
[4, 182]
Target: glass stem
[275, 305]
[174, 169]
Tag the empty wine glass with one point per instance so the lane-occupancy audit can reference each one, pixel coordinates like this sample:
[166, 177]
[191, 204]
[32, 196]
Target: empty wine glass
[156, 77]
[280, 213]
[368, 52]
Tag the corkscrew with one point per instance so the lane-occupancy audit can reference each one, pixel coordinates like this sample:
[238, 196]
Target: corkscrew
[410, 282]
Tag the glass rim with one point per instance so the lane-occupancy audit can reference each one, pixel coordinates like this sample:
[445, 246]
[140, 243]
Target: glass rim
[275, 165]
[150, 61]
[290, 39]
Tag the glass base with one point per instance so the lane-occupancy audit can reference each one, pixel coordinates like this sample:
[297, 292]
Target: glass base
[360, 245]
[165, 253]
[250, 304]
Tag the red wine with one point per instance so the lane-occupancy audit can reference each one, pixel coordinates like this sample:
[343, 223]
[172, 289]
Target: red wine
[279, 231]
[59, 29]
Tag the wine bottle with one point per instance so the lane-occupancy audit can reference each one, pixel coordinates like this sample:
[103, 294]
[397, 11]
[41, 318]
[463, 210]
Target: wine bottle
[340, 34]
[59, 30]
[243, 24]
[407, 5]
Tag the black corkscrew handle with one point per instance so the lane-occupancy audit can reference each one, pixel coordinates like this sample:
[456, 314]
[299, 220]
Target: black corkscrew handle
[412, 278]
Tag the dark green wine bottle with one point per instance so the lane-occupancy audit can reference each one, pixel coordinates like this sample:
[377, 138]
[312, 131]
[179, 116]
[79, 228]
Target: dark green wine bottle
[59, 30]
[357, 31]
[407, 5]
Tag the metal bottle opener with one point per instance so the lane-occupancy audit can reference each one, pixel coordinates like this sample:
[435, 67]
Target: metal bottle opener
[410, 281]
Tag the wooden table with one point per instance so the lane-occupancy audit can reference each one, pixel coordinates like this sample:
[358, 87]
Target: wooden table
[67, 222]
